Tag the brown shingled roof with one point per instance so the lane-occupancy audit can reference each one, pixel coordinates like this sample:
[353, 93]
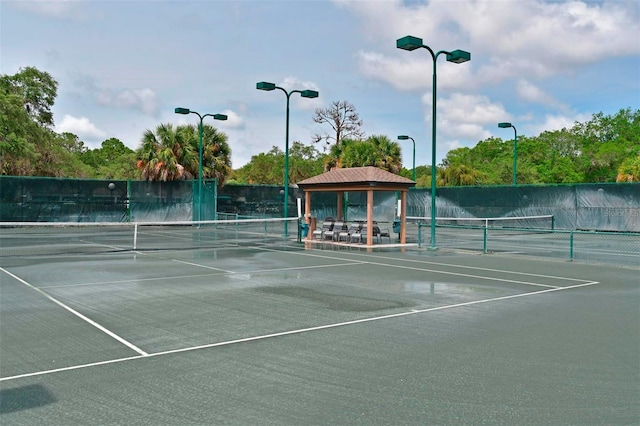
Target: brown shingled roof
[357, 175]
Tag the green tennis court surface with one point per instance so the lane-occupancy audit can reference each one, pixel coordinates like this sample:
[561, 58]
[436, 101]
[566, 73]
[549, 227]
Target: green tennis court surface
[283, 333]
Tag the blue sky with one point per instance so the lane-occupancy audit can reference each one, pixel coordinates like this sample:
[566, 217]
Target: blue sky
[123, 66]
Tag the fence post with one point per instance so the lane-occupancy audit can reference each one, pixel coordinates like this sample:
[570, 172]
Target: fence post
[571, 246]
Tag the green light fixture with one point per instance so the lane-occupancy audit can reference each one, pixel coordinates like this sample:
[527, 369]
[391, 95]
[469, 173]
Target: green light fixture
[185, 111]
[267, 86]
[506, 125]
[457, 57]
[404, 138]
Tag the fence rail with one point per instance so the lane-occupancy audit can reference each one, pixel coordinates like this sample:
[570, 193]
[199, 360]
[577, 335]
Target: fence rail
[616, 248]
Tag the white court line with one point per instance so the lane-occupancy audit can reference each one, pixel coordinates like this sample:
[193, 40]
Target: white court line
[78, 314]
[221, 273]
[298, 331]
[480, 277]
[396, 259]
[458, 274]
[202, 266]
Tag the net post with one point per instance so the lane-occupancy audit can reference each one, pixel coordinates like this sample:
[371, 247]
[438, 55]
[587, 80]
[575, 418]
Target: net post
[553, 222]
[419, 233]
[484, 240]
[135, 235]
[215, 199]
[128, 200]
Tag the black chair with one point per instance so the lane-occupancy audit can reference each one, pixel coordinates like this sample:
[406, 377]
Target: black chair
[327, 227]
[334, 234]
[382, 233]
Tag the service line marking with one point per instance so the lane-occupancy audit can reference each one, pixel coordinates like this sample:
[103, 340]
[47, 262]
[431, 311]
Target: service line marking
[298, 331]
[78, 314]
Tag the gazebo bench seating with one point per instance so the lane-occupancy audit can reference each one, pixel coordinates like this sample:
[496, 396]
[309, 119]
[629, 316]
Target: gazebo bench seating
[327, 227]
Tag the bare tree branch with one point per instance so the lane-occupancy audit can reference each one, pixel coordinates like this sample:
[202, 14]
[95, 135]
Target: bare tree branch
[344, 121]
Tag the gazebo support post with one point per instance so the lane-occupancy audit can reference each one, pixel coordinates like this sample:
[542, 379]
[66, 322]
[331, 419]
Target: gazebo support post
[403, 217]
[307, 213]
[370, 217]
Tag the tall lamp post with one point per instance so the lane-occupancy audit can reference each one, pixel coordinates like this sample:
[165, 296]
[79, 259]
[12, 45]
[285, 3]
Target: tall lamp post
[515, 149]
[215, 117]
[457, 57]
[264, 85]
[413, 171]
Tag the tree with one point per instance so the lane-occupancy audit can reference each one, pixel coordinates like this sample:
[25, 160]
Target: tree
[216, 152]
[162, 154]
[18, 153]
[377, 150]
[605, 141]
[174, 154]
[38, 91]
[344, 121]
[459, 176]
[26, 99]
[304, 162]
[113, 160]
[629, 170]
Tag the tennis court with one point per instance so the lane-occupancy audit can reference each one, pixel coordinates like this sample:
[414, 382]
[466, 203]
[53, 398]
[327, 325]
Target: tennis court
[271, 331]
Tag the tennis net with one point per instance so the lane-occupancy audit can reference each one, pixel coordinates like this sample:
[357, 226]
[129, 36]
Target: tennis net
[47, 238]
[518, 222]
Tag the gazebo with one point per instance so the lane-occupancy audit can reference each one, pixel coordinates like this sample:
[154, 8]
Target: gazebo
[358, 179]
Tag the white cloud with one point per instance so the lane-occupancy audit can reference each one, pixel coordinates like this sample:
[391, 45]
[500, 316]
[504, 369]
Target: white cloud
[144, 100]
[293, 83]
[81, 127]
[557, 122]
[508, 38]
[233, 121]
[531, 93]
[55, 9]
[470, 109]
[414, 72]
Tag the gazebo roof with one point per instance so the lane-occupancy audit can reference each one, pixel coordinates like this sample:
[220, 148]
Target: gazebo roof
[356, 177]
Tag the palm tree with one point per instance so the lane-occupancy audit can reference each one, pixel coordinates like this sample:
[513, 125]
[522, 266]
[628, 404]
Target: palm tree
[173, 154]
[389, 153]
[335, 157]
[161, 153]
[216, 154]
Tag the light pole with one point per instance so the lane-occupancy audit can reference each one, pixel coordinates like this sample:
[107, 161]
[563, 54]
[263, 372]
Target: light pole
[264, 85]
[413, 172]
[515, 149]
[215, 117]
[457, 57]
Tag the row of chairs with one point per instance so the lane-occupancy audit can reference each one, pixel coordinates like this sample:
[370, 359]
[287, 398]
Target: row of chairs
[355, 232]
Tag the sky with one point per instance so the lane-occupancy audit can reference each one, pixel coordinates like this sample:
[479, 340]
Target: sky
[124, 66]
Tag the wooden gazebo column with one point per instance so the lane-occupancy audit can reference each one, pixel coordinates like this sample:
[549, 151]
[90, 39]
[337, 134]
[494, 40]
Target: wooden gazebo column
[307, 213]
[403, 217]
[370, 217]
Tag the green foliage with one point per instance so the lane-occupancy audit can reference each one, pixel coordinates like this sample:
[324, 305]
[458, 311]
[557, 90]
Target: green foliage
[594, 151]
[113, 160]
[268, 168]
[603, 149]
[37, 91]
[168, 154]
[629, 170]
[376, 150]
